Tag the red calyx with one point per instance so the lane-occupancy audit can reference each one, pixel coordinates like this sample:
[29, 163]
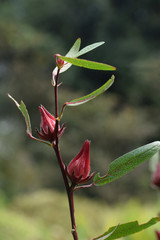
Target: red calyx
[48, 126]
[78, 169]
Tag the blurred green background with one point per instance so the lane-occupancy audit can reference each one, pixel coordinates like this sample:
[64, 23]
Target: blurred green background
[125, 117]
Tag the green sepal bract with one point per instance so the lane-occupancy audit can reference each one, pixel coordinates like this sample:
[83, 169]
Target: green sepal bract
[123, 230]
[127, 162]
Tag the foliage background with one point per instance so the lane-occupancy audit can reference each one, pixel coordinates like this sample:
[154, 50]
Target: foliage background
[124, 118]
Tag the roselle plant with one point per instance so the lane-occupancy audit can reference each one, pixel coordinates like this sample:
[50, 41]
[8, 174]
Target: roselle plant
[77, 174]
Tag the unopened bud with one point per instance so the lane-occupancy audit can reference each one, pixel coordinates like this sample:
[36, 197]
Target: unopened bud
[79, 168]
[48, 124]
[59, 62]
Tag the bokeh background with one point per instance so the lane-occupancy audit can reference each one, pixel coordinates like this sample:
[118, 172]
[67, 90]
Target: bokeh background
[125, 117]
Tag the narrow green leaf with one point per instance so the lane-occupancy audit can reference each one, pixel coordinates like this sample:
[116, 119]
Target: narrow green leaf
[74, 49]
[105, 236]
[88, 97]
[87, 49]
[127, 162]
[74, 52]
[25, 114]
[126, 229]
[92, 95]
[88, 64]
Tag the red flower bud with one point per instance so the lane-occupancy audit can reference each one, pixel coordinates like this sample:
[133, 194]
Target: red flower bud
[156, 177]
[59, 62]
[79, 168]
[158, 235]
[48, 124]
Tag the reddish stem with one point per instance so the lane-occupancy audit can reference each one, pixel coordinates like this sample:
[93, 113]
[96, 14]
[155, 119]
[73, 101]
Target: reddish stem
[69, 189]
[56, 93]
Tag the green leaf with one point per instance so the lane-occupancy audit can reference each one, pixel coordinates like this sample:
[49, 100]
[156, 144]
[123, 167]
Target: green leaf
[107, 235]
[87, 49]
[25, 114]
[127, 162]
[74, 52]
[126, 229]
[90, 96]
[74, 49]
[88, 64]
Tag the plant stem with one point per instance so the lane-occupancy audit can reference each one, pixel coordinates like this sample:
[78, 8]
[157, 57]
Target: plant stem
[69, 189]
[56, 94]
[71, 203]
